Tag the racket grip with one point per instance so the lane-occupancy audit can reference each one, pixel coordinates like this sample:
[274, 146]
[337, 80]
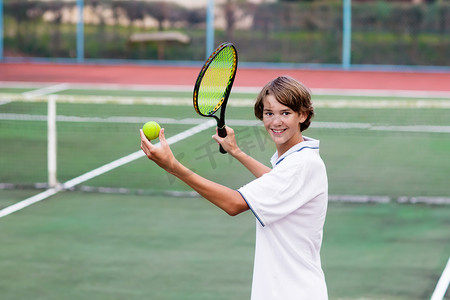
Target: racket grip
[222, 132]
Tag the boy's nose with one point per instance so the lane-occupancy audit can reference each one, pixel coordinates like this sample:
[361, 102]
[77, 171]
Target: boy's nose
[277, 120]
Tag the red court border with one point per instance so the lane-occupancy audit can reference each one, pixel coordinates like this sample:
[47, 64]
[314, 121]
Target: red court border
[245, 77]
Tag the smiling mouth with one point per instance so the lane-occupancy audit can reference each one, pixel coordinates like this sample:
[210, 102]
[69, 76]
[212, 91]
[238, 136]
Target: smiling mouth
[278, 131]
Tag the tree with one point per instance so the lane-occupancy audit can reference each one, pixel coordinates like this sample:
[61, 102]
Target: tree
[233, 12]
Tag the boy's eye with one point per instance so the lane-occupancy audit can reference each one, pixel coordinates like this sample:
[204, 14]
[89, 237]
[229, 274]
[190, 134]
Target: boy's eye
[286, 113]
[268, 113]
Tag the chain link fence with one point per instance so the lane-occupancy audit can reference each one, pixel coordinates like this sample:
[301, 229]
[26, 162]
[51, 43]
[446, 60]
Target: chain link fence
[300, 32]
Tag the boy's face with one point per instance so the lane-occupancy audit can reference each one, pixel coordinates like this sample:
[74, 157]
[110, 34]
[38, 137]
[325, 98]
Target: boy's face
[282, 124]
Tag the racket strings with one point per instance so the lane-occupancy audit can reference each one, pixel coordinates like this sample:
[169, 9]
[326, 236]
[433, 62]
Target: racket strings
[215, 81]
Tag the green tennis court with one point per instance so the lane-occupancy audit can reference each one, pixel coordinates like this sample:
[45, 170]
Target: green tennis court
[137, 233]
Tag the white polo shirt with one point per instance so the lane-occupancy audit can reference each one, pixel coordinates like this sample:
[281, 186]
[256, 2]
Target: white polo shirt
[290, 204]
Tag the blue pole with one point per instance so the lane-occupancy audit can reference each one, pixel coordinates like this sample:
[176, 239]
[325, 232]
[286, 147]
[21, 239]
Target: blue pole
[80, 31]
[209, 28]
[1, 29]
[346, 34]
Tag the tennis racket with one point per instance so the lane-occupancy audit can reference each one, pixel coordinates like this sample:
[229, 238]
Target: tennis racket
[213, 85]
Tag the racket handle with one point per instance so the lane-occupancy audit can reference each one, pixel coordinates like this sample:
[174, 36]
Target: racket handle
[222, 132]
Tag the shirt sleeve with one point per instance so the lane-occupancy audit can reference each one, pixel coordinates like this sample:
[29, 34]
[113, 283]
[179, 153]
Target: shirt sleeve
[281, 191]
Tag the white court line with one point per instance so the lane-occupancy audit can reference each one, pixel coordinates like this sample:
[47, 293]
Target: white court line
[443, 283]
[237, 102]
[46, 90]
[368, 104]
[27, 202]
[239, 89]
[231, 122]
[382, 93]
[101, 170]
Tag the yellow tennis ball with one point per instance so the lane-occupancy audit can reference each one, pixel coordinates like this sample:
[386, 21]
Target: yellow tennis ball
[151, 130]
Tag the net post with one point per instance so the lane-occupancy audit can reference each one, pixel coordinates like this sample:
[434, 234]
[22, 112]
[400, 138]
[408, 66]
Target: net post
[346, 33]
[51, 141]
[209, 28]
[1, 30]
[80, 31]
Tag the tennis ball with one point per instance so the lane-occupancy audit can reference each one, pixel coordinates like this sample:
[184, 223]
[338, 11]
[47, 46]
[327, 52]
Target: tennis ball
[151, 130]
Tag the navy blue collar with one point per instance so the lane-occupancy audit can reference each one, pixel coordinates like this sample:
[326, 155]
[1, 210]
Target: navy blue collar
[308, 143]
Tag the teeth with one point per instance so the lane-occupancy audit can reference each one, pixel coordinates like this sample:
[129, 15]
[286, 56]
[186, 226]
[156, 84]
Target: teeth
[277, 131]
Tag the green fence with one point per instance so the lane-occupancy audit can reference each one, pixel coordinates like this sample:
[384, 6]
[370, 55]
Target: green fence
[299, 32]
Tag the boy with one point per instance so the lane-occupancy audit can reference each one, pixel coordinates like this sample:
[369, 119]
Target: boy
[289, 201]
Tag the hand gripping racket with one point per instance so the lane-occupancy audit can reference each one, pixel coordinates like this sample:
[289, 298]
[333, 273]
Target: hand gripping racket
[213, 85]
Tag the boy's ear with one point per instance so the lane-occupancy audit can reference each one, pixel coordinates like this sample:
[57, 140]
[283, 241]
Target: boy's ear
[303, 116]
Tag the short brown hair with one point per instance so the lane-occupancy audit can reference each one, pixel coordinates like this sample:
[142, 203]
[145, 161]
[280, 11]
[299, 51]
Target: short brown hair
[290, 93]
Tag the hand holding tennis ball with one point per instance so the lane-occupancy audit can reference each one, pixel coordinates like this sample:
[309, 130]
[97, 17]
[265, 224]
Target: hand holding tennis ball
[151, 130]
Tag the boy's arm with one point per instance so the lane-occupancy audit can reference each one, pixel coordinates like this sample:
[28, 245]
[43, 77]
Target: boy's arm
[255, 167]
[229, 144]
[227, 199]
